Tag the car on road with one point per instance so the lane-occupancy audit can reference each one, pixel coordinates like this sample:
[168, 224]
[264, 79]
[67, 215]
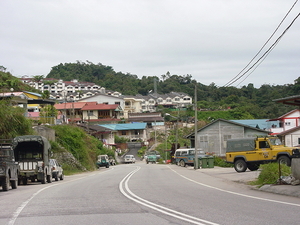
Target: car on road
[103, 161]
[57, 170]
[129, 159]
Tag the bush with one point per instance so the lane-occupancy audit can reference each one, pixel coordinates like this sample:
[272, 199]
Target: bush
[218, 161]
[270, 173]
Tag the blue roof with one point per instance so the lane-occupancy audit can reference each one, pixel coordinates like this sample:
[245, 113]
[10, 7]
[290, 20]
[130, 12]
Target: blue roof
[125, 126]
[262, 124]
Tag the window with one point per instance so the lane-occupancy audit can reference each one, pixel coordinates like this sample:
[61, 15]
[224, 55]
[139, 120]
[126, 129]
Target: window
[123, 132]
[177, 99]
[287, 123]
[117, 103]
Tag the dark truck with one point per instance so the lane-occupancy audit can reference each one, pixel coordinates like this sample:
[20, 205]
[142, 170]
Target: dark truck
[251, 152]
[9, 168]
[33, 152]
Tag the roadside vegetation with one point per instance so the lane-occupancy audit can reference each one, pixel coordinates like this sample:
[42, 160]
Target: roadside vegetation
[270, 174]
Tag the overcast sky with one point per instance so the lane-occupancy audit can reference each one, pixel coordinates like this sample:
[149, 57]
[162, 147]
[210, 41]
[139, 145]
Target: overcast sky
[212, 40]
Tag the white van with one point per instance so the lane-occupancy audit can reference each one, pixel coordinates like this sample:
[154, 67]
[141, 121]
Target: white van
[129, 159]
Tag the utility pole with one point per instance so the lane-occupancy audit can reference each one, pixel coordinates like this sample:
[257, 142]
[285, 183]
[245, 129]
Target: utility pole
[196, 130]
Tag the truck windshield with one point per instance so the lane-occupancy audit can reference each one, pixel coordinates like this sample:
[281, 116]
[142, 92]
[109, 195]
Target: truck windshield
[275, 141]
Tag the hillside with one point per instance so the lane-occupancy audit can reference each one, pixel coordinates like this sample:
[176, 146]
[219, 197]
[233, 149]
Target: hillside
[257, 102]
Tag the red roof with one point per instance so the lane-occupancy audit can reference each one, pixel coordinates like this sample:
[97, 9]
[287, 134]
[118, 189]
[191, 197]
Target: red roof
[70, 105]
[100, 107]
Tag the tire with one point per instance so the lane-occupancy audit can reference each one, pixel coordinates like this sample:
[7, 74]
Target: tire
[32, 179]
[182, 163]
[284, 160]
[253, 166]
[43, 181]
[56, 177]
[240, 165]
[62, 176]
[107, 166]
[24, 181]
[49, 178]
[14, 184]
[5, 184]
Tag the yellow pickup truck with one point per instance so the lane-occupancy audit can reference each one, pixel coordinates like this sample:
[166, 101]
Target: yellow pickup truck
[251, 152]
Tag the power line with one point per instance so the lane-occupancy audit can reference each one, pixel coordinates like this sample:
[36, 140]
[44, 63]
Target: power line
[237, 77]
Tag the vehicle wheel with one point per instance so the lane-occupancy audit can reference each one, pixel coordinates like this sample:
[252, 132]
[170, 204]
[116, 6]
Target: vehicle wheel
[253, 166]
[61, 177]
[56, 177]
[284, 160]
[147, 162]
[107, 166]
[24, 180]
[14, 184]
[32, 179]
[49, 178]
[240, 165]
[43, 181]
[182, 163]
[5, 184]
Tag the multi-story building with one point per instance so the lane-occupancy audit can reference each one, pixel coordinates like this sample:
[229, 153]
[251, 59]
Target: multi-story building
[67, 91]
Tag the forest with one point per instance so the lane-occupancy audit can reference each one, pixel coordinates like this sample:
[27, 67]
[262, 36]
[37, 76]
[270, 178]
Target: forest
[246, 102]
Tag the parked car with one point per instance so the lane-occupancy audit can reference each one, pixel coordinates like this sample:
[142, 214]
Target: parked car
[102, 161]
[57, 170]
[129, 159]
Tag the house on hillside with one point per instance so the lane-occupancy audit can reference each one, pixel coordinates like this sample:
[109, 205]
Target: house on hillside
[133, 131]
[108, 100]
[287, 121]
[89, 112]
[213, 137]
[106, 135]
[94, 112]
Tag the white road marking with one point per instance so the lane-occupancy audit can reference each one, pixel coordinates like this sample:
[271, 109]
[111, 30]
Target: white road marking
[159, 208]
[234, 193]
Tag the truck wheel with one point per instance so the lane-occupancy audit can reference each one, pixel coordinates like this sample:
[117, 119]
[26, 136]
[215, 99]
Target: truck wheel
[5, 184]
[284, 160]
[43, 181]
[14, 184]
[253, 166]
[24, 181]
[240, 165]
[49, 178]
[182, 163]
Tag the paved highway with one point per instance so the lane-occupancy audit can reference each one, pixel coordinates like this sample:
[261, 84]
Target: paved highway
[147, 194]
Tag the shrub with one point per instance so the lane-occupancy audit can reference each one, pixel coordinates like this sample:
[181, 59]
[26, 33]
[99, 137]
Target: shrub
[270, 173]
[218, 161]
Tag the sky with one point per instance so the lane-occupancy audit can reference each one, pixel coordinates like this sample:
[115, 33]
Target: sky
[211, 40]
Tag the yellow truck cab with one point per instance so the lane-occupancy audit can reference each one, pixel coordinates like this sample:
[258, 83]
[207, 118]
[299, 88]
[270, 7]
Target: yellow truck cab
[251, 152]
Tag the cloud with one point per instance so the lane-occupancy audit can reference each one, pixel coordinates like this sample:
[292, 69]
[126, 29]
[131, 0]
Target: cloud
[211, 40]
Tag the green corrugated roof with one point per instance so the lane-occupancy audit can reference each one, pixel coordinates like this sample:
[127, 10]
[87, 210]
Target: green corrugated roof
[125, 126]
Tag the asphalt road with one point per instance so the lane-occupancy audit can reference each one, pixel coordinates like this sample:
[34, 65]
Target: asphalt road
[148, 194]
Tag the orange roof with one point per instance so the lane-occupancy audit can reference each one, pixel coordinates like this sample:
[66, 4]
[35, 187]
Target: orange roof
[99, 107]
[70, 105]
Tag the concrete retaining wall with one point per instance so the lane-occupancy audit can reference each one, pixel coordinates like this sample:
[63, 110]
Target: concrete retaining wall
[296, 168]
